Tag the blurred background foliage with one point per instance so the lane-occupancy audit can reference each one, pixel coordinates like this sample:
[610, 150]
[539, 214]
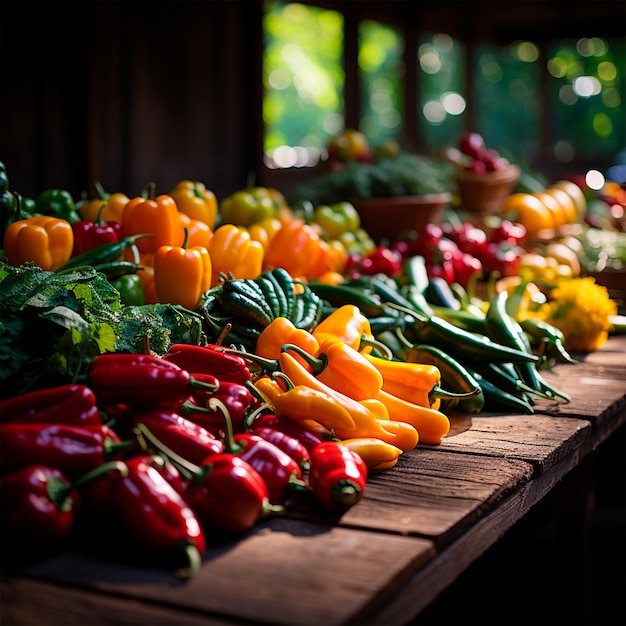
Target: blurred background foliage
[566, 98]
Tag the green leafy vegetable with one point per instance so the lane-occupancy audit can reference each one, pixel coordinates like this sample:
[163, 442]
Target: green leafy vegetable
[52, 326]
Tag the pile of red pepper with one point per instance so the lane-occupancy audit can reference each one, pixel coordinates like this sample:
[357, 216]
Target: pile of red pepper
[167, 450]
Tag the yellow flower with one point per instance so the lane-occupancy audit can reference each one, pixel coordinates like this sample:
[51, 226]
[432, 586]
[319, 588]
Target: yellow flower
[581, 310]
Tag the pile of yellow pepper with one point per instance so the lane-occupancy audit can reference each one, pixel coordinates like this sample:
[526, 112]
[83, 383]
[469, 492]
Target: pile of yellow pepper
[378, 407]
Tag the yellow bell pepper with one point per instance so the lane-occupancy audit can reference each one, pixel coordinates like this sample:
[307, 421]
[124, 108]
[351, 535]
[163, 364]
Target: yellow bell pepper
[234, 252]
[196, 201]
[159, 216]
[182, 274]
[46, 241]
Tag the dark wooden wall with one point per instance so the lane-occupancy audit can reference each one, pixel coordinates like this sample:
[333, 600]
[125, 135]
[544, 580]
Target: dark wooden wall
[127, 91]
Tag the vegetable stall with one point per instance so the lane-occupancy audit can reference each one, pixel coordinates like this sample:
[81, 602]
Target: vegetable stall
[208, 385]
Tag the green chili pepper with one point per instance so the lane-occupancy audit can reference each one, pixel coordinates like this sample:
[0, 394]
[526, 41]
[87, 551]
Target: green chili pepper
[105, 253]
[131, 289]
[339, 295]
[57, 203]
[453, 374]
[496, 399]
[504, 328]
[461, 344]
[549, 338]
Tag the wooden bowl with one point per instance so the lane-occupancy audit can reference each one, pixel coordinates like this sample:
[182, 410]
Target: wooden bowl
[392, 217]
[485, 193]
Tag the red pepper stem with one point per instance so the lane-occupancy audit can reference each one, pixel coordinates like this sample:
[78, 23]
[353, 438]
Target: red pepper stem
[149, 443]
[113, 448]
[318, 364]
[267, 508]
[214, 405]
[99, 221]
[109, 466]
[203, 385]
[194, 562]
[268, 365]
[260, 410]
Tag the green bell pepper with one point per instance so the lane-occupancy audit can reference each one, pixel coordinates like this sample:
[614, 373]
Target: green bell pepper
[337, 218]
[131, 289]
[57, 203]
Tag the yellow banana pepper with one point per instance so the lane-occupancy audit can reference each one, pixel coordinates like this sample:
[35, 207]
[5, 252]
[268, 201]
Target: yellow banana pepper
[342, 368]
[377, 454]
[44, 240]
[432, 425]
[348, 324]
[282, 331]
[412, 382]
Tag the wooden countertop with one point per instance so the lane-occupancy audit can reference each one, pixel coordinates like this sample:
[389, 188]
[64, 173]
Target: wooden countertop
[418, 527]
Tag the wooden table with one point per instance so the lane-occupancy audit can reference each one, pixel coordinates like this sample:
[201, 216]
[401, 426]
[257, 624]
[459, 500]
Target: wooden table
[419, 526]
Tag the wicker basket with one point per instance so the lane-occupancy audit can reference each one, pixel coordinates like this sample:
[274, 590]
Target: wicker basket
[485, 193]
[391, 218]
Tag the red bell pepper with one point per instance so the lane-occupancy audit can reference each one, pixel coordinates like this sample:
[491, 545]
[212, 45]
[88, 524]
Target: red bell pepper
[288, 444]
[209, 359]
[65, 404]
[308, 436]
[89, 234]
[337, 475]
[238, 399]
[178, 434]
[279, 471]
[142, 503]
[228, 495]
[73, 450]
[140, 380]
[38, 509]
[382, 260]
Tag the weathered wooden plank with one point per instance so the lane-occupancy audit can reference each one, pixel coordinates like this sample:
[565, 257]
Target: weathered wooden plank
[285, 572]
[417, 593]
[432, 494]
[538, 439]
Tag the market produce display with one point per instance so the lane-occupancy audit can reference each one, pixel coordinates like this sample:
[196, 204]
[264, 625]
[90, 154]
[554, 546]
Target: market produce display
[208, 364]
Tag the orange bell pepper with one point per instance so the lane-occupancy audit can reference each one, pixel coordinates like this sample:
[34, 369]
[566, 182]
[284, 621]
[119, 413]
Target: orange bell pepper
[294, 247]
[200, 233]
[46, 241]
[234, 252]
[182, 274]
[265, 230]
[159, 216]
[195, 200]
[332, 257]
